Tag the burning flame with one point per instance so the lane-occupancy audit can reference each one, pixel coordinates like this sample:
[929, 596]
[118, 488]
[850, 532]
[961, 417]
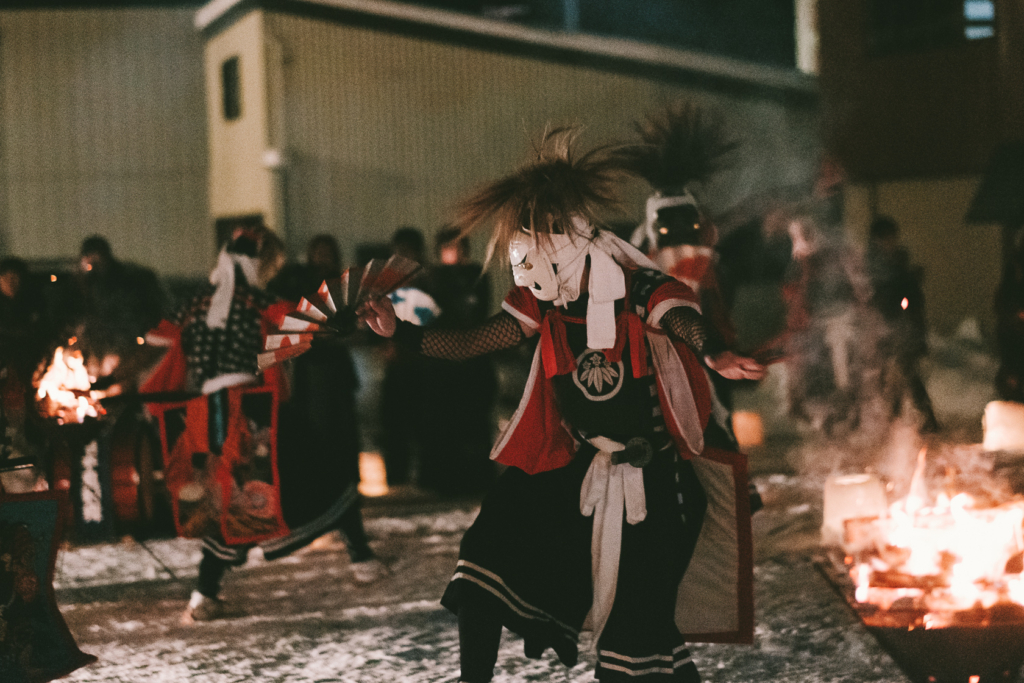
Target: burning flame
[905, 303]
[944, 554]
[64, 390]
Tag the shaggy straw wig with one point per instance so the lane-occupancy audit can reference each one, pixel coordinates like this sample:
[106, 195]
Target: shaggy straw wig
[544, 194]
[681, 144]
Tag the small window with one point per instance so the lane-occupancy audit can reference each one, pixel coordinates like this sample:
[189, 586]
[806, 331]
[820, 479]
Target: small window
[979, 19]
[919, 25]
[231, 86]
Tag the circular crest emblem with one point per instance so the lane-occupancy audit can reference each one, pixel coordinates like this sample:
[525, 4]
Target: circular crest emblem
[598, 378]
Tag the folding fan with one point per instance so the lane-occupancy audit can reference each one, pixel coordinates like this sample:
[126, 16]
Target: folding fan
[334, 309]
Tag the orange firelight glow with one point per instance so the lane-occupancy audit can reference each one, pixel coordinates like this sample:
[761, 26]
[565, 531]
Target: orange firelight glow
[64, 390]
[904, 303]
[945, 552]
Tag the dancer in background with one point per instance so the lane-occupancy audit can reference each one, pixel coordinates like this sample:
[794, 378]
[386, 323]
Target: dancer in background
[402, 420]
[601, 508]
[683, 147]
[833, 366]
[220, 447]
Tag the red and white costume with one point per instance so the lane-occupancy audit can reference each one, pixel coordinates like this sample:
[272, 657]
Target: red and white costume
[534, 546]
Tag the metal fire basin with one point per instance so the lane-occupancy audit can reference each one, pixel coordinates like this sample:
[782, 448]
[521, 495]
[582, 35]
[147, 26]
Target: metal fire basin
[981, 646]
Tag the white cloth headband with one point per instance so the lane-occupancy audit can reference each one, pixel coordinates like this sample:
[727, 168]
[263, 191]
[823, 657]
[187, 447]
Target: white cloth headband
[655, 203]
[223, 278]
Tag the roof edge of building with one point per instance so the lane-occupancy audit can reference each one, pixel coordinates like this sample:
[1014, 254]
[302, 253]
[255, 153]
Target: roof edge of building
[218, 13]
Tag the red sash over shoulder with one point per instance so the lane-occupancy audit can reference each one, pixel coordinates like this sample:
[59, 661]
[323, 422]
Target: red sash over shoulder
[536, 440]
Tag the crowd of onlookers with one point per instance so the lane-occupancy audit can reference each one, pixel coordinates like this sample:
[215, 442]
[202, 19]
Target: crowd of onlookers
[435, 419]
[105, 304]
[849, 314]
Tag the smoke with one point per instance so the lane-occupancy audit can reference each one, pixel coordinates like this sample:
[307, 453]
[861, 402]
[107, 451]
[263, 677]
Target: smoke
[851, 381]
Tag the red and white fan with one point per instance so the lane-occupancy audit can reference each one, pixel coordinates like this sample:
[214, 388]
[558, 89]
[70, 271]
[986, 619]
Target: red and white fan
[333, 311]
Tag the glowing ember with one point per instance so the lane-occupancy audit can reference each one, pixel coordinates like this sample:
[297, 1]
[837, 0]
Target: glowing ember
[64, 390]
[939, 558]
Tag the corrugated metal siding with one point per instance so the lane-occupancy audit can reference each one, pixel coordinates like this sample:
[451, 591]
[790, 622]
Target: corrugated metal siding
[103, 130]
[385, 130]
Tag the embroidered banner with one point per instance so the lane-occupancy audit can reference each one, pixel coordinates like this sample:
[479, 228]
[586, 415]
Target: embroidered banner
[220, 464]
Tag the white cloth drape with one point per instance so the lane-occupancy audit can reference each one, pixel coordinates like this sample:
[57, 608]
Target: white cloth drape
[607, 282]
[607, 489]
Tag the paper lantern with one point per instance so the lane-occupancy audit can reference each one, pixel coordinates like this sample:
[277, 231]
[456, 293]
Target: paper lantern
[373, 480]
[747, 427]
[1003, 426]
[850, 496]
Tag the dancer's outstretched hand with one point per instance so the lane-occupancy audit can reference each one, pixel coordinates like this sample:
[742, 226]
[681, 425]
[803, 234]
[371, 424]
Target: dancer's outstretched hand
[729, 365]
[379, 314]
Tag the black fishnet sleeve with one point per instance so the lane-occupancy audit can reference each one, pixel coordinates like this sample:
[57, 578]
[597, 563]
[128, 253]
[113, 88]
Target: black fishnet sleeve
[501, 331]
[685, 324]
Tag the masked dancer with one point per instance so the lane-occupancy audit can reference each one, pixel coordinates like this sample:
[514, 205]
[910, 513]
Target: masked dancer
[610, 494]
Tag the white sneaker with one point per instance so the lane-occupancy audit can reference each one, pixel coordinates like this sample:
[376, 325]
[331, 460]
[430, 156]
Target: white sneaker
[369, 571]
[202, 608]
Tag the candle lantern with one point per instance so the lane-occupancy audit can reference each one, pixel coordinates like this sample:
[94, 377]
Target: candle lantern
[1003, 425]
[850, 496]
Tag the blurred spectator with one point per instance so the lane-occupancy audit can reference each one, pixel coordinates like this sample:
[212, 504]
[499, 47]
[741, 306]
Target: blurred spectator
[831, 349]
[22, 324]
[409, 243]
[22, 335]
[321, 414]
[402, 419]
[459, 287]
[897, 295]
[111, 305]
[319, 431]
[458, 397]
[1009, 306]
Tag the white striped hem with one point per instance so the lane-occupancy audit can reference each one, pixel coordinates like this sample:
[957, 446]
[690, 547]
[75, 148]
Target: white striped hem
[537, 613]
[227, 553]
[309, 531]
[639, 672]
[637, 660]
[661, 664]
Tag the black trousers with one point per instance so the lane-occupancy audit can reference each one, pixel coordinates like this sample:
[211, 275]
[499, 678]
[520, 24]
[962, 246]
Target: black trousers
[214, 565]
[525, 565]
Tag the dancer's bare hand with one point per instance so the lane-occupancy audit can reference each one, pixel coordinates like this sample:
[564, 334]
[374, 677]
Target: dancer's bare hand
[379, 314]
[729, 365]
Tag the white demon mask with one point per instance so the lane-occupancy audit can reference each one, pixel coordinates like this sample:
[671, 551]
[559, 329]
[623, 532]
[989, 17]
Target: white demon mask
[553, 271]
[551, 267]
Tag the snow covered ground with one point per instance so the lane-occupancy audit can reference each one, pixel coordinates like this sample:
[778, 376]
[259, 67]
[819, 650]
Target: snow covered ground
[303, 618]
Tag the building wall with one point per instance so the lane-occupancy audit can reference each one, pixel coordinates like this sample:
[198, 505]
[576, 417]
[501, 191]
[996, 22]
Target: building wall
[962, 263]
[386, 129]
[102, 130]
[240, 181]
[912, 113]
